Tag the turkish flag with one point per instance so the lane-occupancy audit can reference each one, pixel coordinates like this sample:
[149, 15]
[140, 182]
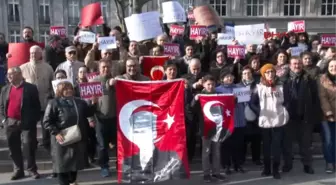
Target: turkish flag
[20, 53]
[218, 114]
[152, 66]
[151, 131]
[92, 15]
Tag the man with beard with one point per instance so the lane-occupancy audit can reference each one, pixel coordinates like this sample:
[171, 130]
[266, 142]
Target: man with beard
[28, 35]
[54, 52]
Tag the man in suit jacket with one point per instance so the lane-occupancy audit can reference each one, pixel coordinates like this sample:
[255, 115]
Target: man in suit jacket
[19, 112]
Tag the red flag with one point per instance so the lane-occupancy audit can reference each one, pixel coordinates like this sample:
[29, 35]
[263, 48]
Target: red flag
[151, 131]
[20, 53]
[152, 66]
[92, 15]
[218, 114]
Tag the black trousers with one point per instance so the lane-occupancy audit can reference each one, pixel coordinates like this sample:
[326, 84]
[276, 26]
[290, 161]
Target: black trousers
[191, 140]
[106, 131]
[255, 141]
[45, 133]
[67, 178]
[92, 143]
[272, 145]
[232, 149]
[302, 133]
[29, 143]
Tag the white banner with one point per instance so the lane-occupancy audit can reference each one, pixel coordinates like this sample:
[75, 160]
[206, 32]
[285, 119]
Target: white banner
[227, 37]
[87, 37]
[250, 34]
[173, 12]
[242, 93]
[143, 26]
[107, 43]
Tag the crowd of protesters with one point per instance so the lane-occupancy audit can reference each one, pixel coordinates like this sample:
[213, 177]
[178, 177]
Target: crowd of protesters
[291, 97]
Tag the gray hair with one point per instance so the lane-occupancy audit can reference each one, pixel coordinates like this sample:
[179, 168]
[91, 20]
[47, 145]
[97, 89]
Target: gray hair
[194, 61]
[16, 69]
[38, 48]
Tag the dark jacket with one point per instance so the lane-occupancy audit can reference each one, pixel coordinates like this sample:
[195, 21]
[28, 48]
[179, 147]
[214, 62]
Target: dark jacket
[60, 115]
[193, 79]
[30, 105]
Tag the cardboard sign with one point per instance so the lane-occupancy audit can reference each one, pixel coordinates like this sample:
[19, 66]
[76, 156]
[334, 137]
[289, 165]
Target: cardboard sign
[107, 43]
[58, 30]
[91, 76]
[176, 30]
[173, 12]
[92, 15]
[328, 40]
[87, 37]
[20, 53]
[297, 26]
[90, 89]
[243, 94]
[296, 51]
[198, 31]
[250, 34]
[236, 51]
[171, 49]
[227, 36]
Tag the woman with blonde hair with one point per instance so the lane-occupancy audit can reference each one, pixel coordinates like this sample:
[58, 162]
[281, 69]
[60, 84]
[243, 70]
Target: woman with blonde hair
[66, 114]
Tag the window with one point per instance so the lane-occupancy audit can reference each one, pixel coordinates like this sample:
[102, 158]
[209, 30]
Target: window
[73, 12]
[105, 8]
[44, 12]
[255, 8]
[13, 11]
[186, 3]
[328, 7]
[71, 30]
[14, 36]
[292, 7]
[219, 6]
[44, 36]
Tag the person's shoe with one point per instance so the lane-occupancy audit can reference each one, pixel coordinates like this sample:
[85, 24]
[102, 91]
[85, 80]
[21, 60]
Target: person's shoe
[228, 171]
[105, 172]
[240, 169]
[17, 175]
[275, 170]
[286, 168]
[308, 169]
[219, 177]
[329, 168]
[276, 175]
[53, 175]
[207, 178]
[35, 175]
[266, 173]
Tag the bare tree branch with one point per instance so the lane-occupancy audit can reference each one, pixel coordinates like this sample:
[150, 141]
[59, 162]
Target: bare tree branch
[138, 4]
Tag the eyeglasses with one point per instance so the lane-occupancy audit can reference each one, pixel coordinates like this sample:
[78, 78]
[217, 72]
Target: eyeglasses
[269, 72]
[72, 53]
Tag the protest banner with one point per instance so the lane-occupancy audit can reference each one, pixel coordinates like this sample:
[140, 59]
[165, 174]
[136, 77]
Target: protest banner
[297, 26]
[197, 31]
[236, 51]
[58, 30]
[171, 49]
[90, 89]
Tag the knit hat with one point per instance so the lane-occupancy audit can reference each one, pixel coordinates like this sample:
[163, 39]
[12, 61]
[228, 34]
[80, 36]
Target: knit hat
[265, 68]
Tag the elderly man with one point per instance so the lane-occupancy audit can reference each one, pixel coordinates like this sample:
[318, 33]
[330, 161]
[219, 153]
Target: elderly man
[194, 77]
[72, 65]
[19, 112]
[39, 73]
[133, 71]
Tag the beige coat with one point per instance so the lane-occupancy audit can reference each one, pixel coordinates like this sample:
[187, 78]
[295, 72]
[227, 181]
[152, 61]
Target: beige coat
[327, 93]
[40, 74]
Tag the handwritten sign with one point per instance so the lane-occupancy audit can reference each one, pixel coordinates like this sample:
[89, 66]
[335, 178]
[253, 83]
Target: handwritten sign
[173, 12]
[87, 37]
[296, 51]
[58, 30]
[56, 82]
[171, 49]
[250, 34]
[227, 36]
[243, 94]
[91, 76]
[197, 31]
[176, 30]
[107, 43]
[297, 26]
[90, 89]
[328, 40]
[236, 51]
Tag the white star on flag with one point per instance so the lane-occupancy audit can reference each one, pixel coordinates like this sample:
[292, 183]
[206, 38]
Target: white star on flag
[228, 113]
[169, 120]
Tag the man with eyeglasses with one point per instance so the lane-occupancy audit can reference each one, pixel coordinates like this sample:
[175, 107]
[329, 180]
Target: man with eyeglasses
[71, 65]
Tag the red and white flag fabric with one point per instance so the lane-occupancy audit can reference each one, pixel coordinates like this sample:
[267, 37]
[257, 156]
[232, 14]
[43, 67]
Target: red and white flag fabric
[218, 114]
[151, 131]
[152, 66]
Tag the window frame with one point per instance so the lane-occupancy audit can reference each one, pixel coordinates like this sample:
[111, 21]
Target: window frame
[287, 6]
[72, 18]
[44, 37]
[16, 35]
[222, 7]
[326, 4]
[250, 6]
[16, 18]
[45, 18]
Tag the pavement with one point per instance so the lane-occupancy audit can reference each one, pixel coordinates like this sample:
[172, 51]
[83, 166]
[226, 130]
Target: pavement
[251, 177]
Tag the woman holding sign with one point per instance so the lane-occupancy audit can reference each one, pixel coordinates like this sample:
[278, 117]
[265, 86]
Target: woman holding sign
[65, 118]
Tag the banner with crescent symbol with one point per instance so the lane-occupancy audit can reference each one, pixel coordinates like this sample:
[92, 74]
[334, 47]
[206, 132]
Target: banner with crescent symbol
[152, 66]
[151, 131]
[218, 115]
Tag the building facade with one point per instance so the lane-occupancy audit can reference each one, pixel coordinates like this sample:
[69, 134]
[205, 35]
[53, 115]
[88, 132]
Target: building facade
[41, 14]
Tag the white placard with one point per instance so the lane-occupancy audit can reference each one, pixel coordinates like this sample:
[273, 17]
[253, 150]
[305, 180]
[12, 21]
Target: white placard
[56, 82]
[243, 94]
[107, 43]
[143, 26]
[173, 12]
[227, 37]
[296, 51]
[87, 37]
[250, 34]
